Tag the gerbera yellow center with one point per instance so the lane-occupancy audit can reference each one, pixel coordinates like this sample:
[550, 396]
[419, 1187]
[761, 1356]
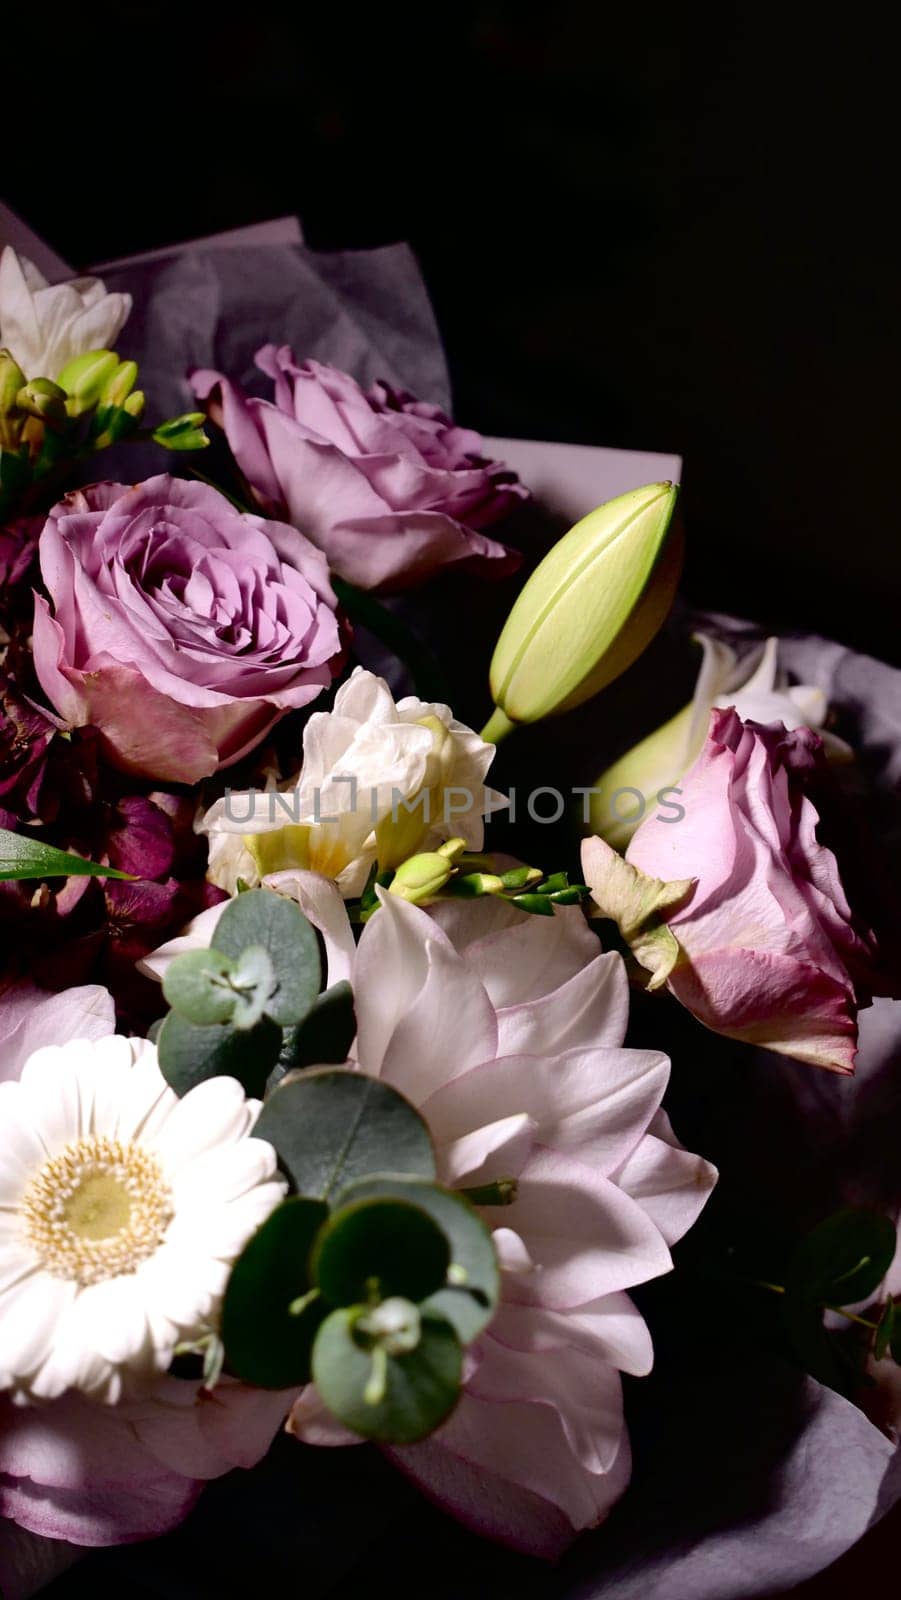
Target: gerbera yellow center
[97, 1210]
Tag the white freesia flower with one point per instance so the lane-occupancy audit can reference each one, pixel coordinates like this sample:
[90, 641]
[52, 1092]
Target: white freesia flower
[753, 684]
[44, 326]
[507, 1032]
[122, 1209]
[380, 781]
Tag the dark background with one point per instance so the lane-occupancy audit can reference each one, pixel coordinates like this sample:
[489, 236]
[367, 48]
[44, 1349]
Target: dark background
[639, 226]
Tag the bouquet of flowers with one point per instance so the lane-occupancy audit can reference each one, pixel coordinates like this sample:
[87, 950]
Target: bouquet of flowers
[333, 1080]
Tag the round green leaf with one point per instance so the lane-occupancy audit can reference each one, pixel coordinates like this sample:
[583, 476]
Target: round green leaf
[188, 1054]
[194, 987]
[333, 1127]
[382, 1246]
[470, 1298]
[326, 1034]
[843, 1259]
[254, 984]
[266, 1343]
[262, 917]
[420, 1388]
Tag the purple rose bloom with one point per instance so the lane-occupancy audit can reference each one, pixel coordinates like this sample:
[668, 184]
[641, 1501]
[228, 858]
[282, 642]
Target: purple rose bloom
[388, 486]
[181, 629]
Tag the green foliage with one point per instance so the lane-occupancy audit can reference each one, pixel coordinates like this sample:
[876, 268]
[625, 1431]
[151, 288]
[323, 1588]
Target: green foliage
[22, 857]
[841, 1262]
[333, 1127]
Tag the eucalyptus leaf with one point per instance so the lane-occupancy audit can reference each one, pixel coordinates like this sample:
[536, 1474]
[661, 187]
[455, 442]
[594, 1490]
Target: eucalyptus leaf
[332, 1127]
[22, 857]
[326, 1034]
[885, 1331]
[194, 987]
[821, 1353]
[843, 1259]
[262, 918]
[266, 1343]
[470, 1299]
[254, 984]
[189, 1054]
[384, 1246]
[419, 1389]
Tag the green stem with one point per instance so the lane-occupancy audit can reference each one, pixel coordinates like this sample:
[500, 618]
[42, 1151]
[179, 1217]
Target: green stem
[363, 608]
[497, 727]
[853, 1317]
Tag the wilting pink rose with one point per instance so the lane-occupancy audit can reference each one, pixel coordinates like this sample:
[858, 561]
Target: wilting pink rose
[388, 486]
[768, 951]
[181, 629]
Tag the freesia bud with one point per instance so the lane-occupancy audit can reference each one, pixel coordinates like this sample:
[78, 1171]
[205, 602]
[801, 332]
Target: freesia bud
[589, 610]
[85, 378]
[182, 433]
[453, 849]
[12, 379]
[44, 400]
[420, 878]
[118, 388]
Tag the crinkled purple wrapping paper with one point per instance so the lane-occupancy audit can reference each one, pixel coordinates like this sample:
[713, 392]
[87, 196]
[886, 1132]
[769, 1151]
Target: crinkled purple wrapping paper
[748, 1476]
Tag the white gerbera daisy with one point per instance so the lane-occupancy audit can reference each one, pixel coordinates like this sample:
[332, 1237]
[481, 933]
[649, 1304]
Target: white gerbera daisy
[122, 1209]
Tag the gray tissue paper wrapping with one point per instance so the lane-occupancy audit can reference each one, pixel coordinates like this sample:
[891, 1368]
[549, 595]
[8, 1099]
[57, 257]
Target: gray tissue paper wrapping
[748, 1476]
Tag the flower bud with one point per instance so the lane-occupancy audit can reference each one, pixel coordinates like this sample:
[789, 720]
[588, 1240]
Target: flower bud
[453, 849]
[12, 379]
[134, 404]
[421, 877]
[44, 400]
[84, 379]
[118, 388]
[589, 609]
[182, 433]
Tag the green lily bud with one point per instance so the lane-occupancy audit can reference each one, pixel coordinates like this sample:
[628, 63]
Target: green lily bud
[45, 401]
[85, 378]
[134, 404]
[589, 609]
[421, 877]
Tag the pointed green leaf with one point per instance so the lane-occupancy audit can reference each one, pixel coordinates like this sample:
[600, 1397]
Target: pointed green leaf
[22, 857]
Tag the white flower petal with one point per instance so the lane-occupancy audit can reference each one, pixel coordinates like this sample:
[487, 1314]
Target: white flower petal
[30, 1314]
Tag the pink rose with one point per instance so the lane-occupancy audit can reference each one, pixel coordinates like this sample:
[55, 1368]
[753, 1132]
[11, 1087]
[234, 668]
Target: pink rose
[765, 945]
[386, 485]
[181, 629]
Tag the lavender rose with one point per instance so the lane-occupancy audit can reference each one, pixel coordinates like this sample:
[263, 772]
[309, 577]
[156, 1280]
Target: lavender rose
[737, 905]
[388, 486]
[181, 629]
